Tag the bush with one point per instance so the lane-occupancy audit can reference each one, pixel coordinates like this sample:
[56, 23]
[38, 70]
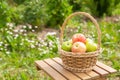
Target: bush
[19, 1]
[95, 7]
[57, 10]
[50, 13]
[5, 13]
[116, 11]
[10, 14]
[35, 12]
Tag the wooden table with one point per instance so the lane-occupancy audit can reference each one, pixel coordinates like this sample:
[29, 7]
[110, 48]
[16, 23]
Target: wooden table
[53, 67]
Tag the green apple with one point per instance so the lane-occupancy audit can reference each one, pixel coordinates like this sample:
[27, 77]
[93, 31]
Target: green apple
[89, 40]
[67, 45]
[91, 46]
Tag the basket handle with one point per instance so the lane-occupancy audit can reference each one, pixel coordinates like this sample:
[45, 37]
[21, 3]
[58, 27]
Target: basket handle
[87, 15]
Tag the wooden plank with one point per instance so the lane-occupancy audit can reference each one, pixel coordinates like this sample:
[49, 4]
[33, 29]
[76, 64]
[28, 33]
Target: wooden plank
[61, 70]
[105, 67]
[83, 76]
[49, 70]
[101, 78]
[100, 71]
[93, 74]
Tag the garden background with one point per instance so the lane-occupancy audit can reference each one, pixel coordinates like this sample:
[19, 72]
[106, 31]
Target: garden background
[29, 31]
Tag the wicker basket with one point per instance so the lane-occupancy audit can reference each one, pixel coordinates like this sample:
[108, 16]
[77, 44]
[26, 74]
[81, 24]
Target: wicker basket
[79, 62]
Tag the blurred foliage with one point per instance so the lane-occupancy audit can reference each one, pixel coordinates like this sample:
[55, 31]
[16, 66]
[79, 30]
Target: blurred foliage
[5, 13]
[57, 11]
[51, 13]
[116, 11]
[95, 7]
[19, 1]
[35, 12]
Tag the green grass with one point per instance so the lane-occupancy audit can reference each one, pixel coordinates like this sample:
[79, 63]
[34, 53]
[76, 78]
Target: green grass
[18, 66]
[20, 49]
[110, 46]
[17, 54]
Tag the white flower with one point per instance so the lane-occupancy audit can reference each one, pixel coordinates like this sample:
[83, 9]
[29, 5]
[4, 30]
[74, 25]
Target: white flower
[51, 33]
[25, 30]
[23, 39]
[118, 30]
[27, 39]
[30, 27]
[1, 43]
[32, 41]
[7, 52]
[21, 30]
[1, 59]
[45, 44]
[42, 41]
[36, 43]
[16, 35]
[36, 26]
[42, 45]
[25, 34]
[7, 24]
[6, 45]
[44, 52]
[6, 29]
[50, 48]
[11, 28]
[21, 44]
[10, 33]
[10, 24]
[50, 43]
[24, 26]
[1, 48]
[32, 46]
[15, 30]
[39, 49]
[33, 30]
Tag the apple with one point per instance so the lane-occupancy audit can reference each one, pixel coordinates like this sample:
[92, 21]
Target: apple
[91, 46]
[67, 45]
[78, 38]
[88, 40]
[78, 47]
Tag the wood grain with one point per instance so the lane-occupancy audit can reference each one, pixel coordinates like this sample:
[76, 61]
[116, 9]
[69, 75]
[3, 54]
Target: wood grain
[50, 71]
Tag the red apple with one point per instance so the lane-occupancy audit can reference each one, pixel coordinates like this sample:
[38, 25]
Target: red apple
[78, 47]
[78, 38]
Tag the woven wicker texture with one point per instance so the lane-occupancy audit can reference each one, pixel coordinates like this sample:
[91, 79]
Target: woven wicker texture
[80, 62]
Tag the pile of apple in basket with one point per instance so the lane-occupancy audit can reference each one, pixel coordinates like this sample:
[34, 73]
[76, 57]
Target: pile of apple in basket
[79, 44]
[79, 54]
